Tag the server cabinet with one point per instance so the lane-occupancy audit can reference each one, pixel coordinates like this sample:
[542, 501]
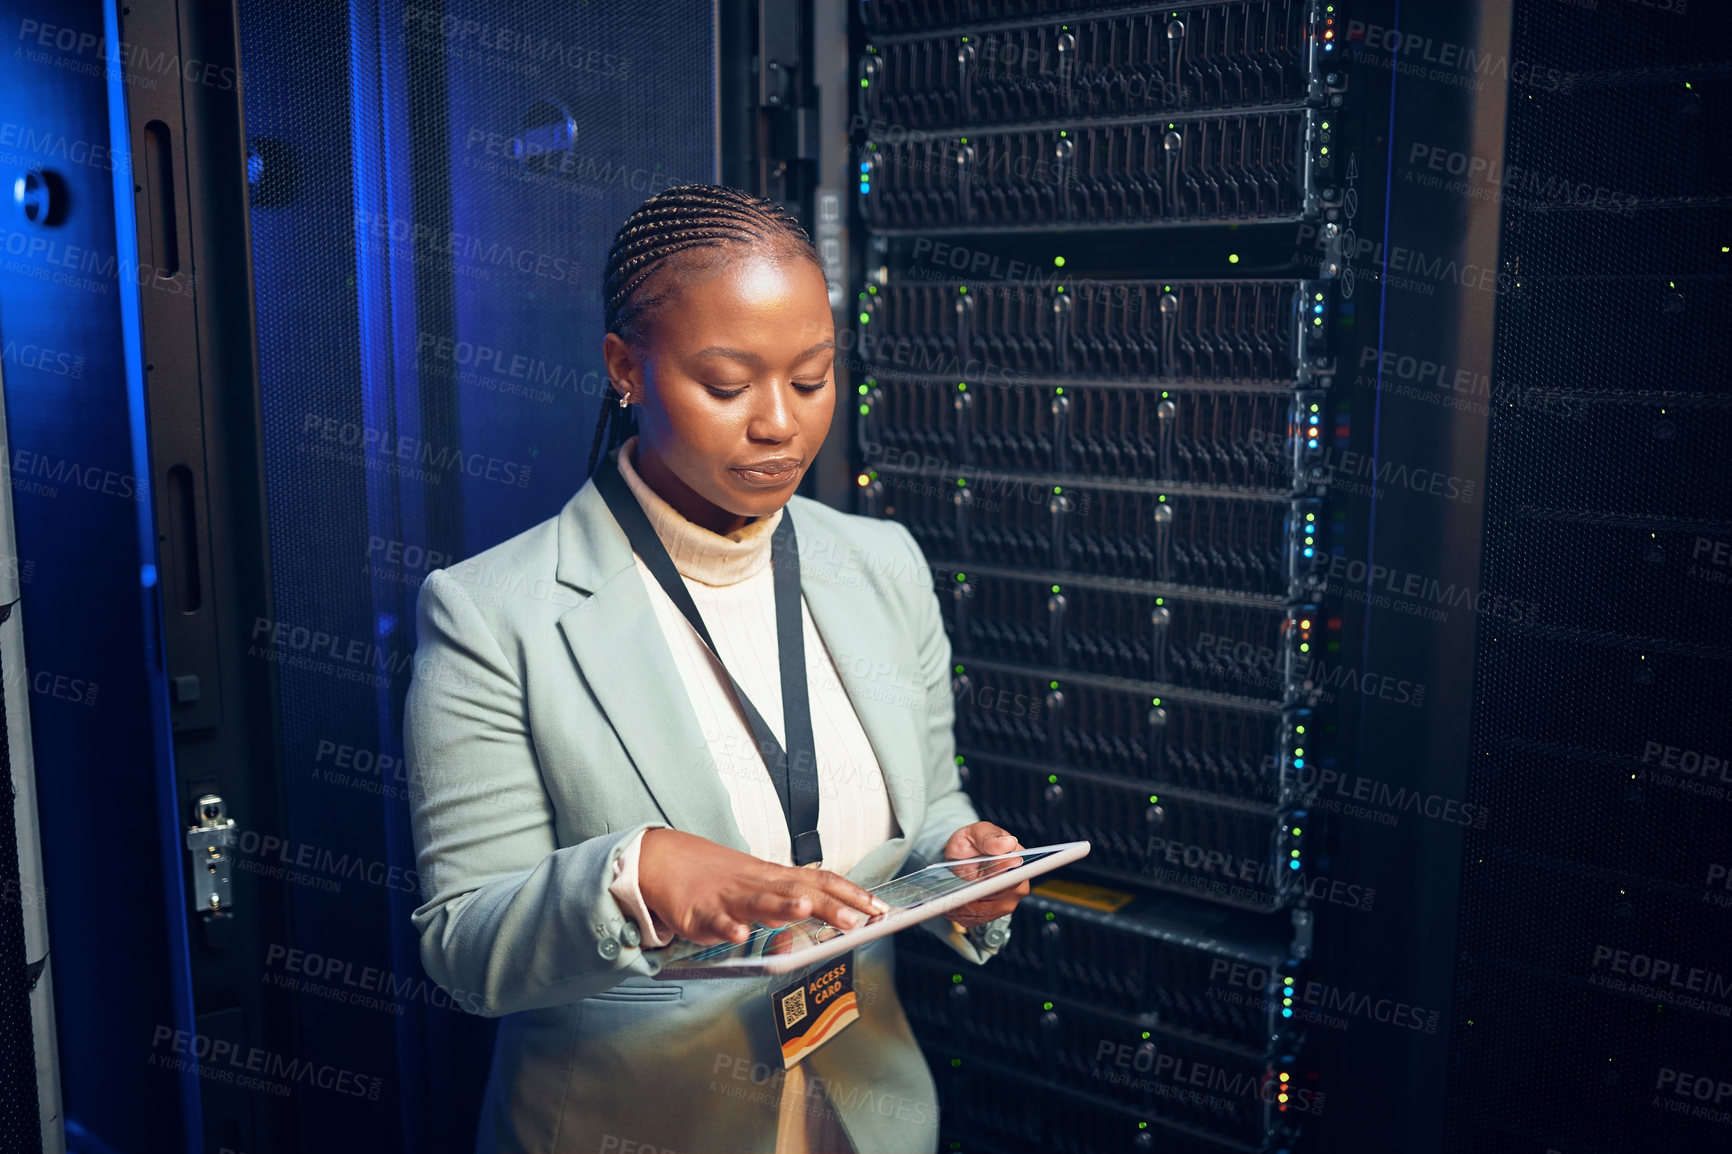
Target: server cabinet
[1098, 379]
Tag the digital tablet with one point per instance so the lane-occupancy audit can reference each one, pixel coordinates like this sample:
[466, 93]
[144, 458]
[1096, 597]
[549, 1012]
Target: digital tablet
[912, 898]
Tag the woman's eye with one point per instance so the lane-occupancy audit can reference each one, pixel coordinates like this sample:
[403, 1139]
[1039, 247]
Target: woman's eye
[810, 386]
[718, 391]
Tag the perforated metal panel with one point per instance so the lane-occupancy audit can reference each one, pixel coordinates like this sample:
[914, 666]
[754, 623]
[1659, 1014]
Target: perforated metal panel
[1594, 984]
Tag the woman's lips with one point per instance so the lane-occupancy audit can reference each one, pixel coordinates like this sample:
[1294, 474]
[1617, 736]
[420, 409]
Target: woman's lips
[769, 474]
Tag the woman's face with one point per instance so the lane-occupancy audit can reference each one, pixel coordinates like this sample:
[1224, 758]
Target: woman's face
[736, 393]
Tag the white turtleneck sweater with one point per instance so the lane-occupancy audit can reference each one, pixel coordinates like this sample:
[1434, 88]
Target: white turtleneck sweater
[731, 583]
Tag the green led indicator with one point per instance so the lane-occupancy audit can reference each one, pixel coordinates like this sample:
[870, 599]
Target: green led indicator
[1154, 701]
[1046, 1005]
[864, 409]
[861, 389]
[1052, 779]
[962, 576]
[1059, 261]
[1055, 588]
[1297, 831]
[865, 318]
[1233, 257]
[961, 482]
[959, 669]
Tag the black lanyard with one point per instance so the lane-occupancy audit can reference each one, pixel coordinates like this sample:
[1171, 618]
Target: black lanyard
[795, 777]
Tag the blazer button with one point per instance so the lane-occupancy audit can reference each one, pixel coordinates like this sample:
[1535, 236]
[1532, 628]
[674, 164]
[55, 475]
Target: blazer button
[608, 947]
[630, 936]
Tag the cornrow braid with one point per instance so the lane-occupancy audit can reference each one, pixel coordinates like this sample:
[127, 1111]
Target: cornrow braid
[676, 220]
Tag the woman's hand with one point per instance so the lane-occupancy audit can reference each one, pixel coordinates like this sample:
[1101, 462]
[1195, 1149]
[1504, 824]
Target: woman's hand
[983, 839]
[708, 893]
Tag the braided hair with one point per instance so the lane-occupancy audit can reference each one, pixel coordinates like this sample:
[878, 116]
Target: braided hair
[676, 220]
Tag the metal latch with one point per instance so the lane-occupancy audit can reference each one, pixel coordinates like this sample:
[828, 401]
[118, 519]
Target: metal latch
[208, 842]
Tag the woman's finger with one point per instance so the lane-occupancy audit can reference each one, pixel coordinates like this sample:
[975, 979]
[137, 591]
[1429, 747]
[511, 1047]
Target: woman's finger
[773, 909]
[842, 890]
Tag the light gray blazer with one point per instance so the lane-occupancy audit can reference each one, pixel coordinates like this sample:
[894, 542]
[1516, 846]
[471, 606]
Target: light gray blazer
[546, 725]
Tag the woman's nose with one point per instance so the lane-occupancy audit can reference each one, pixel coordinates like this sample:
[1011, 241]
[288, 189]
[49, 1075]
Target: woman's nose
[773, 414]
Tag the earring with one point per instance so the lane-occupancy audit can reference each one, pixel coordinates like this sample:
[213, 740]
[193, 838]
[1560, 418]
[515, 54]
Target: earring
[623, 402]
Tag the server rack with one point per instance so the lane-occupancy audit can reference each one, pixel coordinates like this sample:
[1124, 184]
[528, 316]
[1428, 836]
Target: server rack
[1110, 443]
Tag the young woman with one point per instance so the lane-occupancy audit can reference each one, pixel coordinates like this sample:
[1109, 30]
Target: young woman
[621, 737]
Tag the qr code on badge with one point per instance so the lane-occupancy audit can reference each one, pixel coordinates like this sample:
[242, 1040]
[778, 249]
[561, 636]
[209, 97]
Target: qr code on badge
[793, 1007]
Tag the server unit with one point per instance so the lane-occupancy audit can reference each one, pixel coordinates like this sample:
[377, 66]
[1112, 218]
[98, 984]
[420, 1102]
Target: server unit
[1094, 381]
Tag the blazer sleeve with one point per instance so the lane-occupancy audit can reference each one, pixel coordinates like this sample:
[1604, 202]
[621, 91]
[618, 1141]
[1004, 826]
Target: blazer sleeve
[948, 808]
[510, 920]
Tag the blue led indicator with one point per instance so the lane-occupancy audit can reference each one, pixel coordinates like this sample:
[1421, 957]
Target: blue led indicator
[147, 576]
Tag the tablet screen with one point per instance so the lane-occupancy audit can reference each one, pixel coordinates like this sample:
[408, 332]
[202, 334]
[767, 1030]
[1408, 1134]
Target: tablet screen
[908, 892]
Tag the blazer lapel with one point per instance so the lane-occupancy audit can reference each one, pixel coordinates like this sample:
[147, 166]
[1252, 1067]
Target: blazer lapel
[884, 692]
[617, 642]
